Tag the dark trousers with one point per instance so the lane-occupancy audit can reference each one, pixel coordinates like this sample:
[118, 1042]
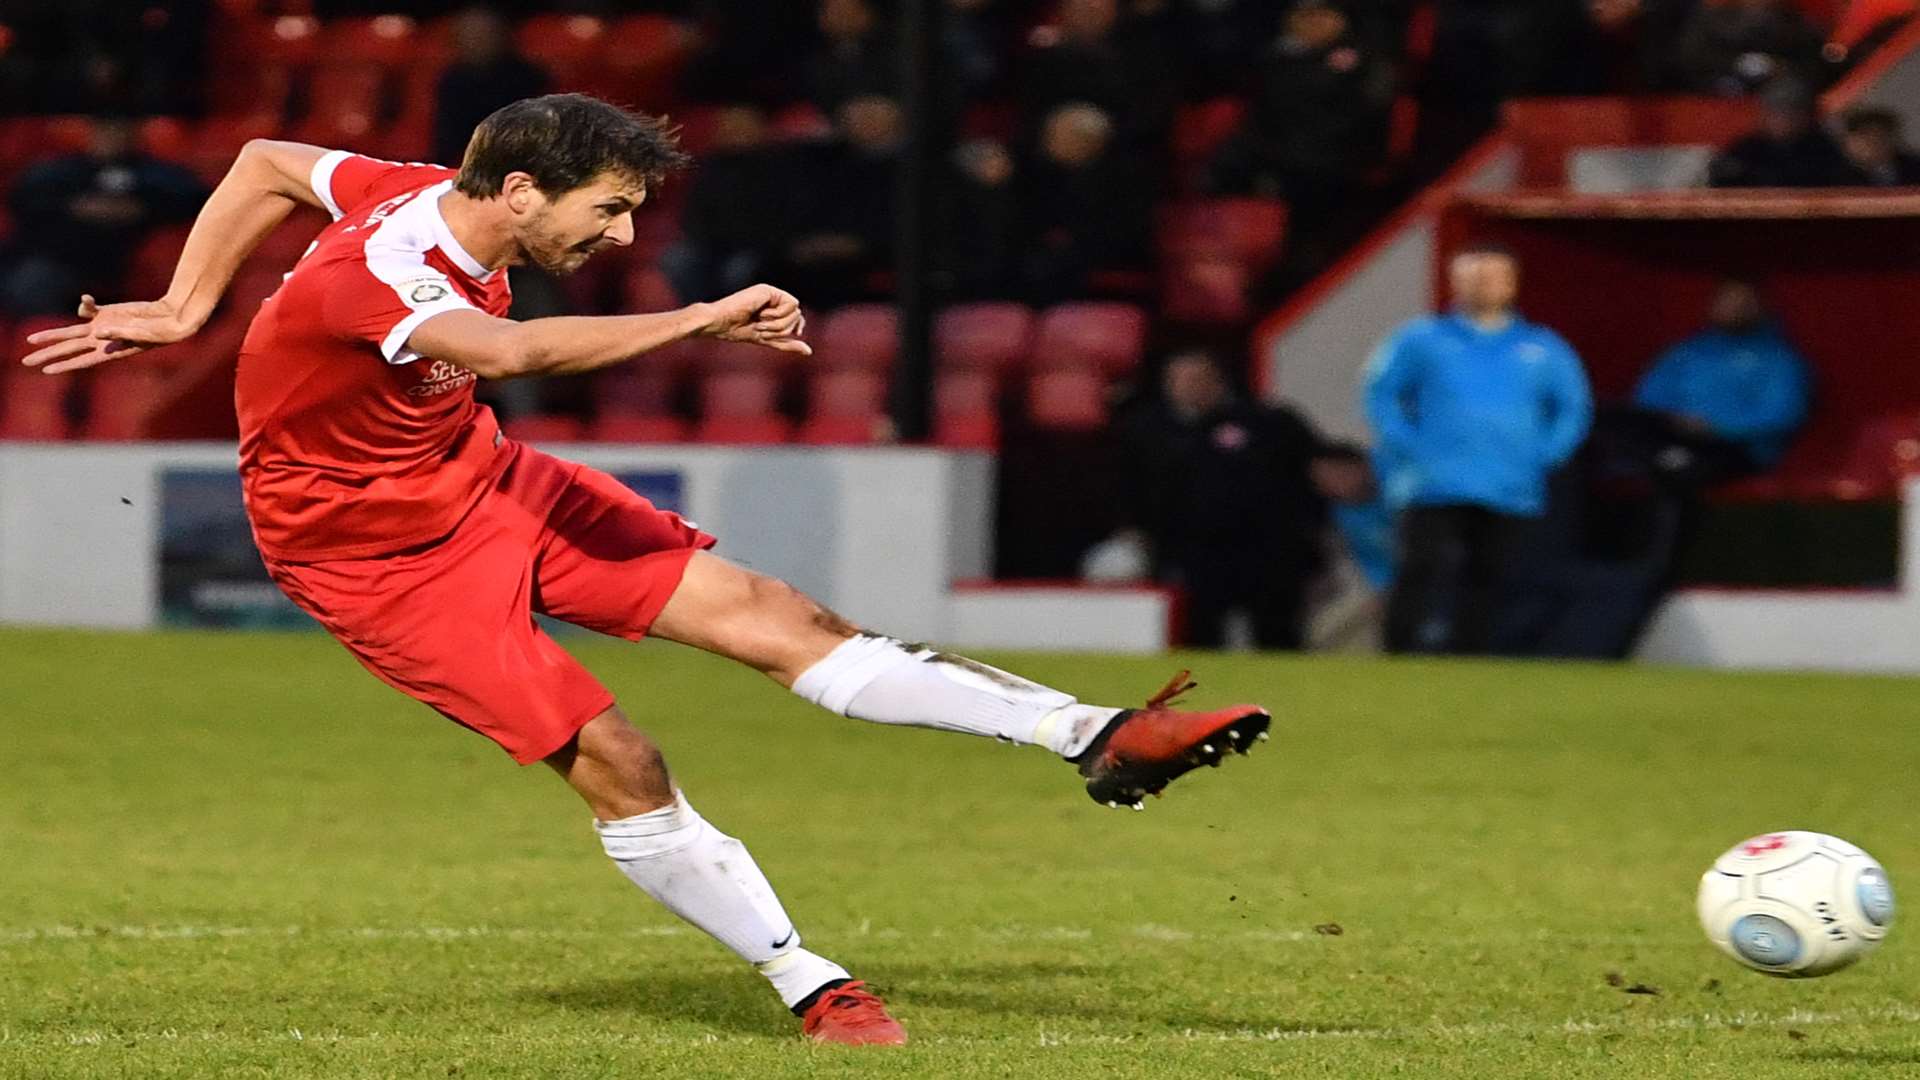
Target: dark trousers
[1447, 590]
[1218, 583]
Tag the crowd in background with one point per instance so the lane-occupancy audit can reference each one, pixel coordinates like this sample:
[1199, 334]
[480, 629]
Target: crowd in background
[1059, 119]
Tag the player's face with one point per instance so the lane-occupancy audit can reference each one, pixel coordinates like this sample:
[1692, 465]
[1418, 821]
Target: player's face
[561, 233]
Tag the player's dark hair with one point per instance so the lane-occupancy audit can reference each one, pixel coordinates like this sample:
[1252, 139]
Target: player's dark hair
[565, 140]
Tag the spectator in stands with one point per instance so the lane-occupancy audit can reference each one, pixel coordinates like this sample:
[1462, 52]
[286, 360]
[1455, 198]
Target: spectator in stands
[1738, 46]
[748, 49]
[856, 58]
[732, 219]
[839, 225]
[980, 216]
[1087, 206]
[1317, 117]
[1470, 411]
[1878, 155]
[77, 218]
[486, 74]
[1725, 402]
[1221, 489]
[1790, 148]
[1090, 56]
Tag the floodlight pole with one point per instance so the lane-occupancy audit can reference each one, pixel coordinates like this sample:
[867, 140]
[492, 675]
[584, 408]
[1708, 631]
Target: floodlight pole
[919, 28]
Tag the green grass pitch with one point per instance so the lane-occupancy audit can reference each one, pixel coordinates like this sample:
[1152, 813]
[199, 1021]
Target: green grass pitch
[241, 856]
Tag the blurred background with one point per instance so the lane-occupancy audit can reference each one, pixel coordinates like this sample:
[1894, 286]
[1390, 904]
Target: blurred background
[1528, 327]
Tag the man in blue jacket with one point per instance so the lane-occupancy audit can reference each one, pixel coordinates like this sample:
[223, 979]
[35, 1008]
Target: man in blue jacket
[1730, 396]
[1471, 410]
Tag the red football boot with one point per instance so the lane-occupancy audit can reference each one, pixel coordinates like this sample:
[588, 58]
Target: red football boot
[1141, 751]
[849, 1015]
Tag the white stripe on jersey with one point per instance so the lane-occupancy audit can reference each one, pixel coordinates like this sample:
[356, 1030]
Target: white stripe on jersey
[396, 253]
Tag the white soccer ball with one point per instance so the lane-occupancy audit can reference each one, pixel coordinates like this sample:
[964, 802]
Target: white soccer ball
[1796, 904]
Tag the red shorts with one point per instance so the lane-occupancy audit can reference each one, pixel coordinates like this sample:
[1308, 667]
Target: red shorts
[451, 623]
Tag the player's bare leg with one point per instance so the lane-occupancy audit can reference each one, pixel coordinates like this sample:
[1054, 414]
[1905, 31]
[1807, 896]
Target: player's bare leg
[707, 878]
[1125, 754]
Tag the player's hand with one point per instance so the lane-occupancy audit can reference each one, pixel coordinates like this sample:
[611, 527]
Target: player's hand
[107, 332]
[759, 315]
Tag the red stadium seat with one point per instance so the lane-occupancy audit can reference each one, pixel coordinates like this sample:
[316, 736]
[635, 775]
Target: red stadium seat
[1885, 451]
[863, 336]
[1205, 291]
[1199, 132]
[800, 123]
[645, 288]
[393, 41]
[724, 356]
[741, 407]
[33, 406]
[991, 336]
[346, 104]
[1069, 399]
[1107, 337]
[625, 428]
[121, 400]
[845, 408]
[166, 137]
[1245, 230]
[641, 388]
[217, 140]
[150, 271]
[546, 429]
[966, 411]
[570, 47]
[643, 59]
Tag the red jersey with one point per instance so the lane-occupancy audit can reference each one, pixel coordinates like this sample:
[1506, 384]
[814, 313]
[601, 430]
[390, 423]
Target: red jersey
[351, 444]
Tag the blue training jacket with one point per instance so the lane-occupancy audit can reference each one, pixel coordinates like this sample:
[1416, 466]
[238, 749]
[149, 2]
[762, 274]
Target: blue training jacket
[1461, 415]
[1749, 387]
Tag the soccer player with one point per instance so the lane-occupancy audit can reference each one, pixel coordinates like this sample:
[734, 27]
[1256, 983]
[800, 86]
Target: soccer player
[388, 504]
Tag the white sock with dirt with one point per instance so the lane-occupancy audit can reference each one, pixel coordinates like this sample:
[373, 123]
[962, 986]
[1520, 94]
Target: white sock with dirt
[707, 878]
[890, 682]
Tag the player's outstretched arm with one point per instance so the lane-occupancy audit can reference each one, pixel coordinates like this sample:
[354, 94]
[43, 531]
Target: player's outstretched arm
[494, 348]
[266, 182]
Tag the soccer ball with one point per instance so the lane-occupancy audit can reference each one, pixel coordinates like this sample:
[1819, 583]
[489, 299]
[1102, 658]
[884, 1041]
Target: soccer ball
[1796, 904]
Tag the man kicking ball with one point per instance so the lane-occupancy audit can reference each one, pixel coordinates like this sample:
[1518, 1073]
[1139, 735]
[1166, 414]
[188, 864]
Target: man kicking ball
[388, 504]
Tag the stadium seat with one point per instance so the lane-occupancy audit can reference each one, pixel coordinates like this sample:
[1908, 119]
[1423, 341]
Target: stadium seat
[33, 406]
[740, 406]
[628, 428]
[991, 336]
[545, 429]
[570, 47]
[1070, 399]
[800, 122]
[217, 140]
[845, 408]
[1198, 133]
[150, 270]
[166, 137]
[346, 104]
[646, 288]
[121, 399]
[1882, 453]
[861, 336]
[966, 411]
[642, 388]
[720, 356]
[392, 41]
[1204, 291]
[643, 59]
[1245, 230]
[1107, 337]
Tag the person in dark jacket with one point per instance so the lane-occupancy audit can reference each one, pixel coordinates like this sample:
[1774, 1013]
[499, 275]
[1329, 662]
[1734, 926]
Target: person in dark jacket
[1737, 46]
[1318, 115]
[1790, 149]
[76, 218]
[486, 74]
[1875, 151]
[1223, 492]
[840, 195]
[1086, 206]
[733, 215]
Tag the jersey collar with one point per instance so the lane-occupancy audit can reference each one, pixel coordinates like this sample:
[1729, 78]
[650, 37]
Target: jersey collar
[443, 237]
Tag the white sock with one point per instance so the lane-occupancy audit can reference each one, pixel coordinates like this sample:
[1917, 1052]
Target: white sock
[707, 878]
[888, 682]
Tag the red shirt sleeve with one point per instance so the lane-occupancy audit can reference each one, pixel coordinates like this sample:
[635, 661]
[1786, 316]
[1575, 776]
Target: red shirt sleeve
[344, 180]
[382, 305]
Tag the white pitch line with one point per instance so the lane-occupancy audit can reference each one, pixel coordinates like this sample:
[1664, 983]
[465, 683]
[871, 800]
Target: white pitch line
[1010, 933]
[1571, 1028]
